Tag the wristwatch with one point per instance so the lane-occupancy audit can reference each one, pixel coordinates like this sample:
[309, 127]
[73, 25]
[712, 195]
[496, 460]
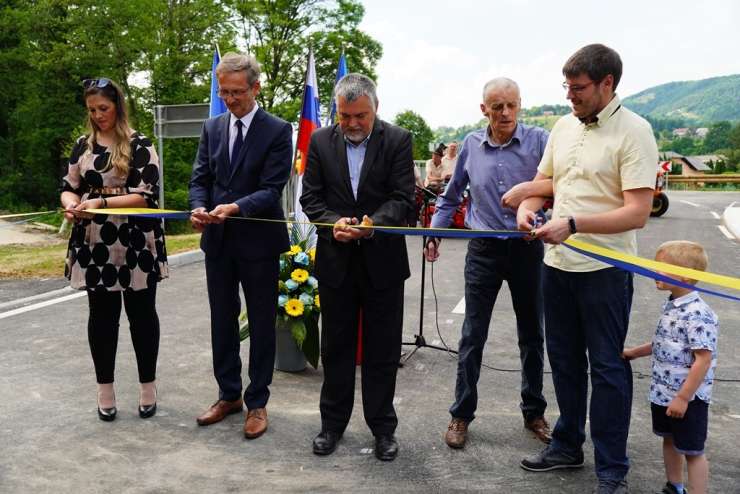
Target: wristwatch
[572, 225]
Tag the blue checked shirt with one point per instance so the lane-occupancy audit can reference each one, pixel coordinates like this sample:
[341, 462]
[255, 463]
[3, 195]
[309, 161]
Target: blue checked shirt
[491, 170]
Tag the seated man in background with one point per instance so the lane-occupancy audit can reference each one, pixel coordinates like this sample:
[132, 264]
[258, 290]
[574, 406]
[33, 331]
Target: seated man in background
[435, 170]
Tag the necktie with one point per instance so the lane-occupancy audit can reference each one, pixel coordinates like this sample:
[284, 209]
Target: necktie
[237, 143]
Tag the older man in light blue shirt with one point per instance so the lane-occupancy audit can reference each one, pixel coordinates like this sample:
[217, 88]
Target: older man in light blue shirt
[497, 163]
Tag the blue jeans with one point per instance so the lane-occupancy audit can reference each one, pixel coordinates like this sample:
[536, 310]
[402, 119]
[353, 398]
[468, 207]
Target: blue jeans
[589, 313]
[488, 263]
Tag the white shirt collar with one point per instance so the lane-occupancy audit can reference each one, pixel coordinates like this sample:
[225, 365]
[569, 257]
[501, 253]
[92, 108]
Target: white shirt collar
[246, 119]
[685, 299]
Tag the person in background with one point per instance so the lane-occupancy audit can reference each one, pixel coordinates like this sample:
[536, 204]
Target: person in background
[435, 170]
[115, 258]
[600, 161]
[449, 160]
[684, 351]
[494, 160]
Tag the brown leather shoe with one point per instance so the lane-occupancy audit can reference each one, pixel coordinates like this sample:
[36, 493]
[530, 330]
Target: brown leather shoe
[256, 423]
[540, 427]
[457, 433]
[219, 410]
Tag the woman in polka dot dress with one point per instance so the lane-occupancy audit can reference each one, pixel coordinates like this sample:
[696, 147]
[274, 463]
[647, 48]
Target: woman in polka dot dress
[115, 257]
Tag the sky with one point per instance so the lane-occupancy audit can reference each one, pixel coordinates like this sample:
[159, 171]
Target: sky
[437, 55]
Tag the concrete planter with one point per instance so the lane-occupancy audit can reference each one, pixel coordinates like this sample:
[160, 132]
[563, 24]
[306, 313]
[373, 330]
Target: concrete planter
[288, 357]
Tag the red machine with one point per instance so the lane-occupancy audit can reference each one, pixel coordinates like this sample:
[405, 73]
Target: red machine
[660, 199]
[427, 207]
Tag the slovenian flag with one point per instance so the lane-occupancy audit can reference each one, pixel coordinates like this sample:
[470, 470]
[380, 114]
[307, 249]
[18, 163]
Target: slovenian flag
[310, 119]
[341, 72]
[217, 106]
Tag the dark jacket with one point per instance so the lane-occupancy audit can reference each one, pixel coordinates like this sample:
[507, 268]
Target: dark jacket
[385, 193]
[255, 183]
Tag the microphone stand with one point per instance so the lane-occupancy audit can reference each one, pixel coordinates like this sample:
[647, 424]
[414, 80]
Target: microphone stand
[419, 340]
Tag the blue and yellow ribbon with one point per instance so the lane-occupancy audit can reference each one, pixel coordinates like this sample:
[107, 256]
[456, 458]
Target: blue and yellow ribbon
[639, 265]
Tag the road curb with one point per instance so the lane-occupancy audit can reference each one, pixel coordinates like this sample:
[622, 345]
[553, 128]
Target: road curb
[176, 260]
[731, 219]
[184, 258]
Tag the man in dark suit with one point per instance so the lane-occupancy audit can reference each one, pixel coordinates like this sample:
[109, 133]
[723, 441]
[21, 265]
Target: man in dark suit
[361, 168]
[243, 163]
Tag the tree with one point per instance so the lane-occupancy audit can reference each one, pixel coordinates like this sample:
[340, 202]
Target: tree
[278, 32]
[422, 134]
[48, 47]
[718, 137]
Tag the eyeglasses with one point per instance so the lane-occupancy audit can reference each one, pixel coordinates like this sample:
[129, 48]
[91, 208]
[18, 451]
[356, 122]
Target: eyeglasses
[234, 93]
[575, 88]
[99, 82]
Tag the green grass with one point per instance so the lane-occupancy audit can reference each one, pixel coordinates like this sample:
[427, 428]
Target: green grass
[47, 261]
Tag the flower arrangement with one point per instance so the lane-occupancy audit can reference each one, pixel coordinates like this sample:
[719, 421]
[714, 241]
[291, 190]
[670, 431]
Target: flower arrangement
[299, 305]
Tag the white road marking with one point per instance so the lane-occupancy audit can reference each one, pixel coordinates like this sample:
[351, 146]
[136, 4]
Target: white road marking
[722, 228]
[716, 216]
[366, 451]
[460, 307]
[734, 416]
[21, 301]
[691, 203]
[436, 342]
[41, 305]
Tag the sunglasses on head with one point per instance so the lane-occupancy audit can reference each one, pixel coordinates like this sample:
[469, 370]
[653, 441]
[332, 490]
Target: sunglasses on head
[99, 82]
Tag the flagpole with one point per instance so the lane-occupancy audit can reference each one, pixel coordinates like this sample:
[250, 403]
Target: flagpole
[290, 193]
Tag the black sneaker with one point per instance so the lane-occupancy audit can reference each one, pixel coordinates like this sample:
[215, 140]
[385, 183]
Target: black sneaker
[550, 459]
[612, 487]
[668, 488]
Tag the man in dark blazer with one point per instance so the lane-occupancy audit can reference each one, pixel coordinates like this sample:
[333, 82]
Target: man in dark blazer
[243, 163]
[360, 169]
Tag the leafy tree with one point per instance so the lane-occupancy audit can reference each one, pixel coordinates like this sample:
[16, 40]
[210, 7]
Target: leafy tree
[47, 47]
[718, 137]
[422, 134]
[277, 33]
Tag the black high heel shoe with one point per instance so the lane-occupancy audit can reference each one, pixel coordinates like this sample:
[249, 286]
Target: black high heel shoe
[146, 411]
[108, 414]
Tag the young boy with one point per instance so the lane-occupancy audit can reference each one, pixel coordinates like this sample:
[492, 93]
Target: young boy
[684, 351]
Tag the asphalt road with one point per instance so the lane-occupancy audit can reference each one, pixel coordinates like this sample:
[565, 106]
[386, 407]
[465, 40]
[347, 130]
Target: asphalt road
[52, 440]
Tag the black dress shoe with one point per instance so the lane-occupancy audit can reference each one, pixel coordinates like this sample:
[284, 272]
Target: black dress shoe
[386, 447]
[326, 442]
[146, 411]
[107, 414]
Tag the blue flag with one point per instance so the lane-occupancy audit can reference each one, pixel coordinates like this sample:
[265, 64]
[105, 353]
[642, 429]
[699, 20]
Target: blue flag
[217, 104]
[341, 72]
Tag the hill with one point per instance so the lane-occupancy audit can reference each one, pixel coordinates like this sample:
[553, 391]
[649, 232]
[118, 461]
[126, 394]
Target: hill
[705, 101]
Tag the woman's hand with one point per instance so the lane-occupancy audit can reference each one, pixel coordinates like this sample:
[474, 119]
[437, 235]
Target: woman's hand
[96, 203]
[69, 211]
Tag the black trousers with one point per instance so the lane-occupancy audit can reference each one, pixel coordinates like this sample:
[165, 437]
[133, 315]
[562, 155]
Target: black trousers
[102, 331]
[488, 264]
[258, 279]
[382, 319]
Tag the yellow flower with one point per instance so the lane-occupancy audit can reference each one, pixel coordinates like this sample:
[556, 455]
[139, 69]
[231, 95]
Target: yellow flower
[299, 275]
[294, 249]
[316, 301]
[294, 307]
[312, 254]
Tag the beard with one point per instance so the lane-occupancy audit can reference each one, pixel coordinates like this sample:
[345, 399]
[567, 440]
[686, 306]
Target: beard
[356, 136]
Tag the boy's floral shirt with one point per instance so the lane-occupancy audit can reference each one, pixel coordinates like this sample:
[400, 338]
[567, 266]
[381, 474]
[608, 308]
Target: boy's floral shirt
[687, 324]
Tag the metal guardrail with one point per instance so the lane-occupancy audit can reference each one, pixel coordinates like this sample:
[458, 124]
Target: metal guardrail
[706, 179]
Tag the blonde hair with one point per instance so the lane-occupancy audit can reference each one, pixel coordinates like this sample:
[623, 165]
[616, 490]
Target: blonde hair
[120, 154]
[685, 254]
